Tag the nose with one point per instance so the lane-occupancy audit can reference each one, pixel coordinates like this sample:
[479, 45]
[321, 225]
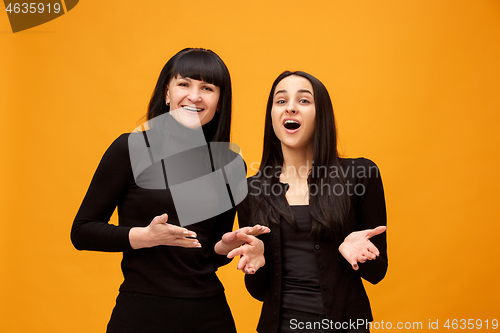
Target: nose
[291, 108]
[194, 95]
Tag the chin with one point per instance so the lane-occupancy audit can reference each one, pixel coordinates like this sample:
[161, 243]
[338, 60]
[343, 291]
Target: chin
[190, 123]
[293, 144]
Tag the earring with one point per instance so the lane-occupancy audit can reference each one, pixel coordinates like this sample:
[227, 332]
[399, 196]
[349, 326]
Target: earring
[168, 103]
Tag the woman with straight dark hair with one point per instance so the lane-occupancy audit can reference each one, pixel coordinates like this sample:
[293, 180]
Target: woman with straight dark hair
[322, 210]
[170, 284]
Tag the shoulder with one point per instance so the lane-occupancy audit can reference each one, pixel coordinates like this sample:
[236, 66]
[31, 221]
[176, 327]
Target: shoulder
[359, 165]
[359, 170]
[118, 151]
[262, 185]
[357, 162]
[121, 142]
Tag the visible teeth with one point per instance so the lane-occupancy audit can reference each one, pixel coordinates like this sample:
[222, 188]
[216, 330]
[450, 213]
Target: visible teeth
[189, 108]
[291, 124]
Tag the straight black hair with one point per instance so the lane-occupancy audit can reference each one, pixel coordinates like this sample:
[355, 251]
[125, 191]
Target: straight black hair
[204, 65]
[329, 211]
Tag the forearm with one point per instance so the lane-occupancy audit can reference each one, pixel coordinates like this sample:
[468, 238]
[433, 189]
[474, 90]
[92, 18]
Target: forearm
[257, 283]
[100, 236]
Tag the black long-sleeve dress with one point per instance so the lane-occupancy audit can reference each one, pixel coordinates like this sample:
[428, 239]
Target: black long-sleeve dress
[165, 288]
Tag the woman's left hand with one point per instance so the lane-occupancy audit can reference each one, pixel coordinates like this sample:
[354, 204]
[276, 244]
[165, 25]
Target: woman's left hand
[357, 246]
[251, 253]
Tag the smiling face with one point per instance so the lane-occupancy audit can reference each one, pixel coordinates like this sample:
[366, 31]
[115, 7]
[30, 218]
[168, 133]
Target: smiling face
[293, 112]
[193, 103]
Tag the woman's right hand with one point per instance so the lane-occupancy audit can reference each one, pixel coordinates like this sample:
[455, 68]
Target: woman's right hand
[230, 240]
[251, 253]
[159, 232]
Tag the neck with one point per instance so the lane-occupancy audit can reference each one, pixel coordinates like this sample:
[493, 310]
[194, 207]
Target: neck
[297, 161]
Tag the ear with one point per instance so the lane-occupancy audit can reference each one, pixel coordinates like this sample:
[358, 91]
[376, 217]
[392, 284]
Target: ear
[167, 95]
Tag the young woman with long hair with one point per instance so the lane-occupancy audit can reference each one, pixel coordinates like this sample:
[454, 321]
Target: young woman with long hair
[323, 211]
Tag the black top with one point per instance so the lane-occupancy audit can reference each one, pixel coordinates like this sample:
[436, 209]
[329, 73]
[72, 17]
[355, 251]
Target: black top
[300, 283]
[343, 295]
[162, 270]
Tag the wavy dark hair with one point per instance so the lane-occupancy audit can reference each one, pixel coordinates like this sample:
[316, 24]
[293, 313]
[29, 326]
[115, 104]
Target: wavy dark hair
[329, 211]
[204, 65]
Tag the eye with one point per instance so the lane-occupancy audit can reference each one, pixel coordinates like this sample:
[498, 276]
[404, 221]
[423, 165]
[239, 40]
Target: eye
[304, 101]
[206, 88]
[182, 84]
[280, 101]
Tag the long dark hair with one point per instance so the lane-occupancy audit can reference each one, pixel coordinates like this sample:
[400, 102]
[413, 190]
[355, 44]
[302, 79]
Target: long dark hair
[204, 65]
[329, 211]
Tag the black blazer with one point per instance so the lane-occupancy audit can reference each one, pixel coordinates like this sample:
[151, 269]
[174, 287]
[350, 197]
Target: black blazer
[344, 297]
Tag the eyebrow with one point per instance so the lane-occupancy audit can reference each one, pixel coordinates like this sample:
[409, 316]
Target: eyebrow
[300, 91]
[305, 91]
[179, 77]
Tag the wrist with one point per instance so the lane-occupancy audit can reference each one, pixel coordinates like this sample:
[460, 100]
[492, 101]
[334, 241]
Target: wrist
[139, 238]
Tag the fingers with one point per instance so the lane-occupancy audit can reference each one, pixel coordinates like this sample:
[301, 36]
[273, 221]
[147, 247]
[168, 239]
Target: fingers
[249, 269]
[245, 237]
[185, 242]
[244, 230]
[182, 236]
[180, 232]
[373, 249]
[229, 237]
[164, 233]
[256, 230]
[160, 219]
[245, 266]
[358, 253]
[259, 230]
[251, 256]
[377, 231]
[369, 253]
[236, 252]
[242, 263]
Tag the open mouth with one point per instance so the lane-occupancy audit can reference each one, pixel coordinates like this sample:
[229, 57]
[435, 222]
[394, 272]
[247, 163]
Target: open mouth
[192, 108]
[291, 124]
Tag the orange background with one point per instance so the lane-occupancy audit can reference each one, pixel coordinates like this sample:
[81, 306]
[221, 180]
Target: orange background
[414, 85]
